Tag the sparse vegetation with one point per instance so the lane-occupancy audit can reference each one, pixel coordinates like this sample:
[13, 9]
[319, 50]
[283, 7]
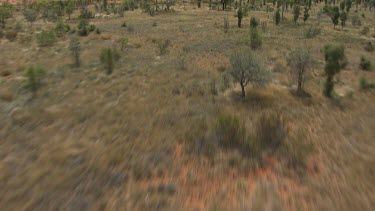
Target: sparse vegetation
[226, 25]
[299, 60]
[46, 38]
[335, 60]
[34, 75]
[247, 69]
[163, 46]
[365, 63]
[30, 15]
[109, 57]
[75, 48]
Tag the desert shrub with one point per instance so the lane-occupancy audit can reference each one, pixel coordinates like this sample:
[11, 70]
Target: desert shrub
[365, 30]
[83, 27]
[92, 28]
[34, 75]
[343, 17]
[245, 69]
[97, 31]
[229, 131]
[264, 26]
[277, 17]
[270, 130]
[335, 15]
[239, 16]
[335, 60]
[123, 24]
[61, 28]
[364, 84]
[69, 9]
[123, 42]
[85, 14]
[30, 15]
[163, 46]
[182, 61]
[365, 63]
[312, 32]
[306, 14]
[130, 28]
[109, 57]
[253, 23]
[6, 11]
[296, 13]
[75, 48]
[226, 25]
[299, 60]
[356, 21]
[46, 38]
[255, 38]
[11, 35]
[154, 24]
[369, 46]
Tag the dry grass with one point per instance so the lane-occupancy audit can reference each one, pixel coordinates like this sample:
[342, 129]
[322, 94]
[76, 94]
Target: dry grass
[89, 141]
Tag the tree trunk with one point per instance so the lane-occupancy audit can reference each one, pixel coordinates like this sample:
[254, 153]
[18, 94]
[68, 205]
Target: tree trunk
[239, 22]
[242, 89]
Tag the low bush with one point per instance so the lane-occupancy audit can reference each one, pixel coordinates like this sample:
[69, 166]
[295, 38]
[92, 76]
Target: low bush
[163, 46]
[46, 38]
[270, 131]
[312, 32]
[11, 35]
[34, 75]
[365, 63]
[229, 131]
[364, 84]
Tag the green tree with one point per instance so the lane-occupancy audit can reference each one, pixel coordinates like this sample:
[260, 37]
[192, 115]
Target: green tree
[277, 17]
[239, 16]
[69, 8]
[335, 15]
[335, 58]
[306, 15]
[299, 60]
[6, 11]
[109, 57]
[245, 69]
[348, 5]
[296, 13]
[75, 48]
[343, 18]
[34, 75]
[253, 23]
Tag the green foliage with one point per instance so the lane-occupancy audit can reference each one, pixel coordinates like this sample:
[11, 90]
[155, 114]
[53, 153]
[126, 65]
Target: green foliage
[299, 60]
[6, 11]
[348, 5]
[30, 15]
[239, 16]
[46, 38]
[335, 15]
[83, 27]
[18, 26]
[271, 131]
[61, 28]
[335, 60]
[109, 57]
[75, 48]
[312, 32]
[34, 75]
[255, 38]
[296, 13]
[365, 30]
[369, 46]
[306, 14]
[277, 17]
[253, 23]
[365, 63]
[342, 5]
[245, 69]
[123, 42]
[343, 17]
[69, 9]
[364, 84]
[229, 131]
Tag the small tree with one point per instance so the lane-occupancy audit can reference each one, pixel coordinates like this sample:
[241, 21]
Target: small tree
[239, 16]
[335, 15]
[247, 69]
[123, 41]
[109, 57]
[335, 60]
[255, 38]
[75, 48]
[348, 5]
[69, 8]
[306, 15]
[299, 60]
[343, 18]
[30, 15]
[277, 17]
[34, 75]
[253, 23]
[296, 13]
[6, 11]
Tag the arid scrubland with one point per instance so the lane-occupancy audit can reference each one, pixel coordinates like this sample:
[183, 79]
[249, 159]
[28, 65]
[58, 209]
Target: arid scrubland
[201, 105]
